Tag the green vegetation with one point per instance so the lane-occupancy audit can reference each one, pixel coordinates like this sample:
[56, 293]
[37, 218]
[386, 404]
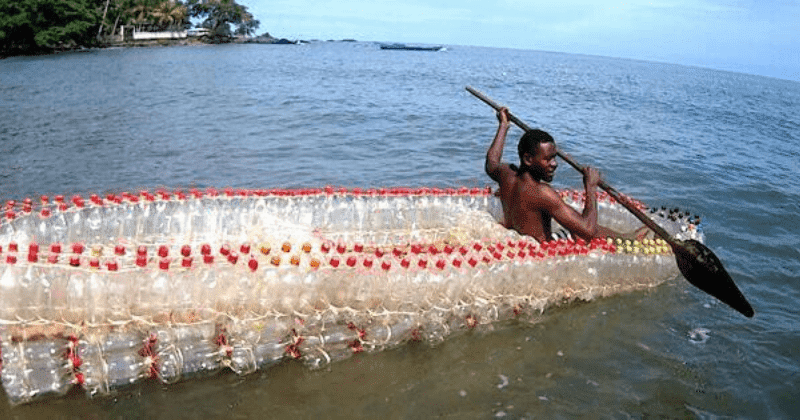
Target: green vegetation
[32, 26]
[40, 26]
[219, 14]
[151, 15]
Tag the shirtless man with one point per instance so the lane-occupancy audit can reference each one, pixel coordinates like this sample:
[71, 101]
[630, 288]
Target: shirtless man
[529, 202]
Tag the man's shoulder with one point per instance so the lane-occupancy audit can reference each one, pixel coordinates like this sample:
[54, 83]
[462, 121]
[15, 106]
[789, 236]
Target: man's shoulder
[507, 172]
[539, 191]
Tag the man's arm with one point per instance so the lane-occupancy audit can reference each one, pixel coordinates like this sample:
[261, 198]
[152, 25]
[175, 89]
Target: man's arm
[583, 225]
[495, 153]
[578, 224]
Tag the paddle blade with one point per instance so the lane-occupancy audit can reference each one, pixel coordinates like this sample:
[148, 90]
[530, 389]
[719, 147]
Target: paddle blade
[704, 270]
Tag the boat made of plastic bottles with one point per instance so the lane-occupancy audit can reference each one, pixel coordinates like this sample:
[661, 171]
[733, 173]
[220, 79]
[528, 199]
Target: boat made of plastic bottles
[169, 285]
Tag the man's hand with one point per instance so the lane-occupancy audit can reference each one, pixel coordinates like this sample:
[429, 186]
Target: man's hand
[644, 233]
[502, 116]
[591, 177]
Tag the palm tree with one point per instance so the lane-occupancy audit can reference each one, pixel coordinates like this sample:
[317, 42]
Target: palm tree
[161, 15]
[218, 14]
[169, 15]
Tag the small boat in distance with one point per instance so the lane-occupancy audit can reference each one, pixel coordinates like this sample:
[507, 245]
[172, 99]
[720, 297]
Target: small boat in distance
[397, 46]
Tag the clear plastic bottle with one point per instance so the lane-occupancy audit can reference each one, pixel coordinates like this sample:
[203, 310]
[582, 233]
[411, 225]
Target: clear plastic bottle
[195, 342]
[211, 231]
[75, 225]
[242, 358]
[195, 218]
[160, 220]
[77, 296]
[6, 230]
[59, 227]
[97, 296]
[129, 216]
[94, 224]
[176, 218]
[206, 285]
[148, 220]
[13, 372]
[228, 222]
[57, 277]
[30, 370]
[118, 292]
[35, 293]
[24, 228]
[124, 359]
[269, 345]
[112, 219]
[10, 297]
[48, 374]
[157, 289]
[42, 230]
[258, 212]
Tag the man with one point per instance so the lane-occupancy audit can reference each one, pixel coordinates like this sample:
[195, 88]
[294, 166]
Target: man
[529, 202]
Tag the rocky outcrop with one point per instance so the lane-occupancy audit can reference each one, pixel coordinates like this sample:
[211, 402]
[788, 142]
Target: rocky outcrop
[265, 38]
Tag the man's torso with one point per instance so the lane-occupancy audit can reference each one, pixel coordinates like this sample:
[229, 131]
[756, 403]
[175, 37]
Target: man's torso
[519, 194]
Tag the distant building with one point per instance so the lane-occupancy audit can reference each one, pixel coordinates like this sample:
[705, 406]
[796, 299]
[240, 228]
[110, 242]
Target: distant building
[198, 32]
[128, 33]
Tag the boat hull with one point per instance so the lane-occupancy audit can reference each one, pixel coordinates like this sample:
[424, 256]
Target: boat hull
[170, 285]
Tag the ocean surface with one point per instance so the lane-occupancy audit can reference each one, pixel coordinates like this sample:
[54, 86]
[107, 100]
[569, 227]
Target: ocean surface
[722, 145]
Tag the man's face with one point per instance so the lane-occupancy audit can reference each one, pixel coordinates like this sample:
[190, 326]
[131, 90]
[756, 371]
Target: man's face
[543, 164]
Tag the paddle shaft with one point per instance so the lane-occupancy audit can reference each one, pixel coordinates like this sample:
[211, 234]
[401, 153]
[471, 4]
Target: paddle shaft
[610, 190]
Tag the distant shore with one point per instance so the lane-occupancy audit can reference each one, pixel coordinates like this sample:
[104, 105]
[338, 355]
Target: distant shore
[201, 40]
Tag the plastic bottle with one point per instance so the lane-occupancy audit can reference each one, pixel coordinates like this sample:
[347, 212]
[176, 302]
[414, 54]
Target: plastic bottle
[157, 288]
[228, 222]
[269, 345]
[97, 294]
[212, 212]
[160, 220]
[30, 370]
[112, 219]
[34, 293]
[147, 219]
[177, 218]
[94, 223]
[23, 228]
[77, 295]
[9, 287]
[115, 361]
[196, 343]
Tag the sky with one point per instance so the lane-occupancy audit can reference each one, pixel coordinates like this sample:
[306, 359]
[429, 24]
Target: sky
[757, 37]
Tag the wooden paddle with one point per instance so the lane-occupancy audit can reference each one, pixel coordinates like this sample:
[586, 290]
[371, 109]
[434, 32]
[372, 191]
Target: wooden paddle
[696, 262]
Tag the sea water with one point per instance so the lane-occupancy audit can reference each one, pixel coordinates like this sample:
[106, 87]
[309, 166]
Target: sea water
[722, 145]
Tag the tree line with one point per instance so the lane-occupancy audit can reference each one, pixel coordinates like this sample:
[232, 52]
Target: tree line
[38, 26]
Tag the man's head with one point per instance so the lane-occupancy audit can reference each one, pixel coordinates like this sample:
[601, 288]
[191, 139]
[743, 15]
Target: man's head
[537, 154]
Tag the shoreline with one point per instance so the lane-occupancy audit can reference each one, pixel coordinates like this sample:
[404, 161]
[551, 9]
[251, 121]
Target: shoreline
[262, 39]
